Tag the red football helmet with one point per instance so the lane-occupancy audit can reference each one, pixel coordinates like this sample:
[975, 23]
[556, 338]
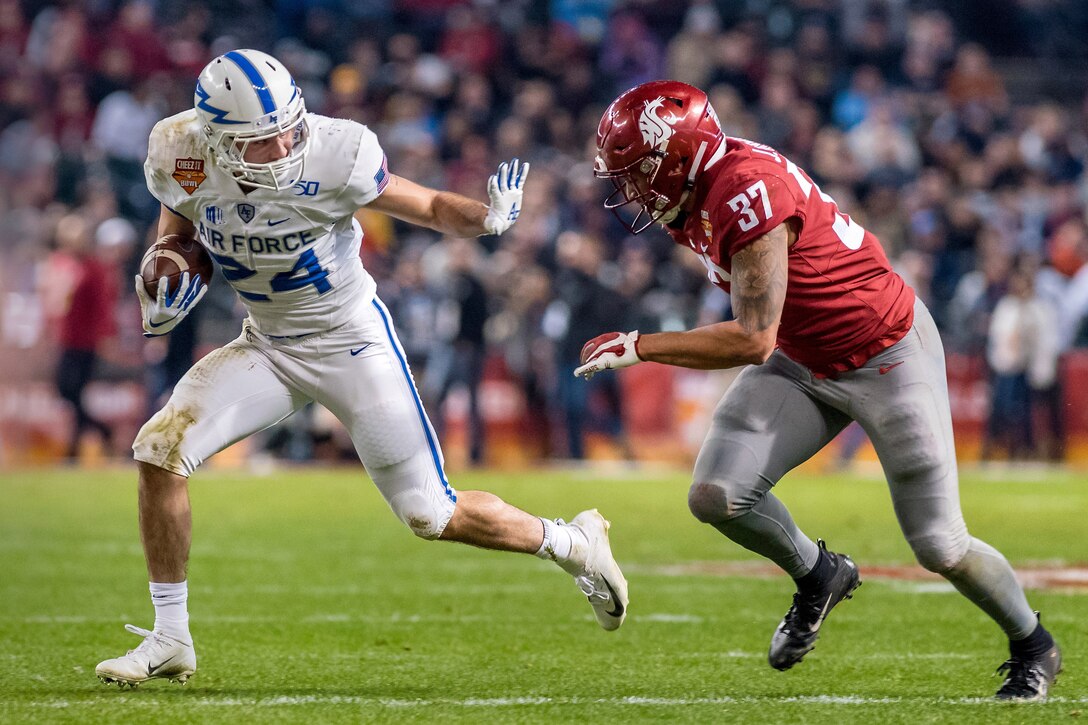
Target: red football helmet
[652, 143]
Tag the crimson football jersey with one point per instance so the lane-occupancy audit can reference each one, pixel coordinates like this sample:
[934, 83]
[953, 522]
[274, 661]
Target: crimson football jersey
[843, 302]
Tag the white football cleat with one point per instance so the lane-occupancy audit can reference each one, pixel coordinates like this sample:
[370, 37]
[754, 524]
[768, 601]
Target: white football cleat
[159, 656]
[600, 579]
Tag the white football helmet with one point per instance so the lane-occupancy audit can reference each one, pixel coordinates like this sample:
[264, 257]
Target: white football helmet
[245, 96]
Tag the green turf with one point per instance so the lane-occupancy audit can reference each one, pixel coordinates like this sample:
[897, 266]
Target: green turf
[311, 603]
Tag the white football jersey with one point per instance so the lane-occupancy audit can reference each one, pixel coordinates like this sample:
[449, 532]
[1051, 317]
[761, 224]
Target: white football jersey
[291, 255]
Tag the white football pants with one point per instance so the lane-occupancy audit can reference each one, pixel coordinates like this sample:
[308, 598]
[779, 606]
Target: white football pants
[357, 370]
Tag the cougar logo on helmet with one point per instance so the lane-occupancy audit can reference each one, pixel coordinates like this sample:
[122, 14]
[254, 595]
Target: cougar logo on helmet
[656, 131]
[653, 142]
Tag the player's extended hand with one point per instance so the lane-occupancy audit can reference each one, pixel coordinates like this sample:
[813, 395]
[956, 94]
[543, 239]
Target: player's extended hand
[162, 314]
[611, 350]
[505, 189]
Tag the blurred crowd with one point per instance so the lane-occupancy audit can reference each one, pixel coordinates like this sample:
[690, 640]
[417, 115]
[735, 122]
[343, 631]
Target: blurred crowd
[928, 122]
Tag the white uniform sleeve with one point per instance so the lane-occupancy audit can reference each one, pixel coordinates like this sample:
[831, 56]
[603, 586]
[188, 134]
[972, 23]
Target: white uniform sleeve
[158, 170]
[370, 175]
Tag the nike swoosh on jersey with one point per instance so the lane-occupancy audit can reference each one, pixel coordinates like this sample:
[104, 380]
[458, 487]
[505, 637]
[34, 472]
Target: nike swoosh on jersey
[272, 223]
[357, 350]
[885, 369]
[617, 611]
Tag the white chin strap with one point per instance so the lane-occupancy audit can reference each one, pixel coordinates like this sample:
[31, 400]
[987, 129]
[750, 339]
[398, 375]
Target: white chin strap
[670, 216]
[716, 156]
[696, 164]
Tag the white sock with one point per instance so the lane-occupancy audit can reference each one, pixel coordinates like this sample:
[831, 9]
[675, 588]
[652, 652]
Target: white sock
[563, 543]
[171, 610]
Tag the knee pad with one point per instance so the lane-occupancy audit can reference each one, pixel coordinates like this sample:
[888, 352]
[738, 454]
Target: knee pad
[424, 514]
[940, 553]
[709, 502]
[159, 440]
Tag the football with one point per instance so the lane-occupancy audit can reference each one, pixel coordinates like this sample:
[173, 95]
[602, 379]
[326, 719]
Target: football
[170, 257]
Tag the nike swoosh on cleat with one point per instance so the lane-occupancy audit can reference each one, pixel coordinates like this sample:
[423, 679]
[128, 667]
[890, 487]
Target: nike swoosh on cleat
[823, 613]
[278, 221]
[358, 350]
[618, 611]
[152, 670]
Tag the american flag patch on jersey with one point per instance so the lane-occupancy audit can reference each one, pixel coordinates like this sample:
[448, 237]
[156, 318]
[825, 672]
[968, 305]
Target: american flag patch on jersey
[382, 177]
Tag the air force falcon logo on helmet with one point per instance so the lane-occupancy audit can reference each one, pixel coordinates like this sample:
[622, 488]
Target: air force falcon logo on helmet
[656, 131]
[245, 97]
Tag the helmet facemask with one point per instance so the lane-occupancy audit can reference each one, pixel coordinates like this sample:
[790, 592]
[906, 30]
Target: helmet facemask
[230, 146]
[633, 184]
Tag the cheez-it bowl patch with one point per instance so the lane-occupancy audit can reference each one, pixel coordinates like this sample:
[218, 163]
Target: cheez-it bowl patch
[189, 173]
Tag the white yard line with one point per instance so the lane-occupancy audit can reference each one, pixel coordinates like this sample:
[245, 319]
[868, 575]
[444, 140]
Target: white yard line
[345, 617]
[761, 655]
[500, 702]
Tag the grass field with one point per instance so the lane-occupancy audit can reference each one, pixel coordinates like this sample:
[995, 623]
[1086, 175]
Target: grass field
[311, 603]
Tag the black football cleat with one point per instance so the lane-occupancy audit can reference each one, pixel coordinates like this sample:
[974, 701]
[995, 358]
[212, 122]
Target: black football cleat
[1029, 679]
[796, 634]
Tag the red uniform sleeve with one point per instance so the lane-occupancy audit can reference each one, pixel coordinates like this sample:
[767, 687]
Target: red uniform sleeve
[754, 205]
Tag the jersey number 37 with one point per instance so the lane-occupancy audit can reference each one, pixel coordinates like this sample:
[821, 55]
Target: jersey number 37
[755, 199]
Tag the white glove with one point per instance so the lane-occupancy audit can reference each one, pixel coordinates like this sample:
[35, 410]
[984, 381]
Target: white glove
[162, 314]
[505, 189]
[611, 350]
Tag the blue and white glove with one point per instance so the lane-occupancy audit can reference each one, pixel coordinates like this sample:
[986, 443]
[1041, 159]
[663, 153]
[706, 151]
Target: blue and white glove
[162, 314]
[505, 189]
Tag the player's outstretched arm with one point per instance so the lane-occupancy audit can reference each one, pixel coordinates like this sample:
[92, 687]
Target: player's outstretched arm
[758, 292]
[453, 214]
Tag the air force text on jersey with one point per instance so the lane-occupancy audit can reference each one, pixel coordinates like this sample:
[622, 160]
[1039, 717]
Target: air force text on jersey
[217, 241]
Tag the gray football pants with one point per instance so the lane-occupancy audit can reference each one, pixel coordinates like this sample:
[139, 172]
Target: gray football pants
[777, 415]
